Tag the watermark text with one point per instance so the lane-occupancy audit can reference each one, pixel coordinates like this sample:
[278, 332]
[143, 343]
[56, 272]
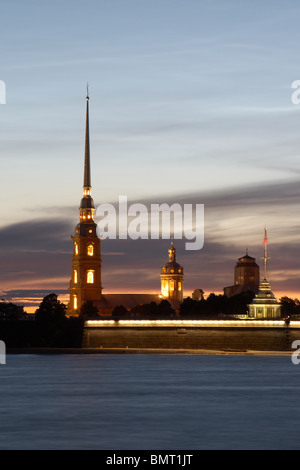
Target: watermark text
[156, 221]
[2, 92]
[295, 355]
[2, 352]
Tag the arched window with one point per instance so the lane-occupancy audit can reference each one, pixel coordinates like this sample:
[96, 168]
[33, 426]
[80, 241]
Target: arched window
[75, 304]
[75, 276]
[179, 286]
[90, 277]
[164, 288]
[171, 285]
[76, 248]
[90, 250]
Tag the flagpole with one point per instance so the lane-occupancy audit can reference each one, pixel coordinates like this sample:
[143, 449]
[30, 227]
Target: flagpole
[266, 254]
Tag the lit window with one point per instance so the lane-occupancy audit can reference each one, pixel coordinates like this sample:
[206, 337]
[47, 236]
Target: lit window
[179, 286]
[171, 285]
[76, 248]
[90, 277]
[75, 304]
[164, 288]
[90, 250]
[75, 276]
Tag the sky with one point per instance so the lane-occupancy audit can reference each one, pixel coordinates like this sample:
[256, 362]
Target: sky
[190, 102]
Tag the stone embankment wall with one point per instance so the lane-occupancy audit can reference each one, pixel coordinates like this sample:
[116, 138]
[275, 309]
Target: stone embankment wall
[237, 338]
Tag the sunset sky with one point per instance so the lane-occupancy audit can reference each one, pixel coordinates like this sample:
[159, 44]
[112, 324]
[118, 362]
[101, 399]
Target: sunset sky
[190, 102]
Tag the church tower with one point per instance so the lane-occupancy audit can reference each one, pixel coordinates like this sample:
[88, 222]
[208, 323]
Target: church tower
[172, 278]
[85, 284]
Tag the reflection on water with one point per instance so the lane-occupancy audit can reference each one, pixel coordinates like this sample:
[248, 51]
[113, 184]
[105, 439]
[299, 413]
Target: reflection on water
[149, 402]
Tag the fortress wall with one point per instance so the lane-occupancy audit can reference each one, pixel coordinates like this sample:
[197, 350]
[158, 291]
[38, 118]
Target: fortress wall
[263, 339]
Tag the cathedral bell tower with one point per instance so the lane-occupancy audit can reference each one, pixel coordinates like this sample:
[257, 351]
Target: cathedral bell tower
[85, 284]
[172, 278]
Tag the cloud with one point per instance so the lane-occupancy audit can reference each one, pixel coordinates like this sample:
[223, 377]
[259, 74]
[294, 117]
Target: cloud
[37, 253]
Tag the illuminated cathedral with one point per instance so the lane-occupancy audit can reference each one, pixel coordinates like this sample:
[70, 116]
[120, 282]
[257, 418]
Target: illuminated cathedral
[86, 287]
[85, 284]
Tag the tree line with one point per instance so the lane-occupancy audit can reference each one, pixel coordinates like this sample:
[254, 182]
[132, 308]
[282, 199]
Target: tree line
[52, 328]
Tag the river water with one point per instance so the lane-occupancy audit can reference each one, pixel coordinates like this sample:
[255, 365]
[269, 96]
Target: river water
[147, 402]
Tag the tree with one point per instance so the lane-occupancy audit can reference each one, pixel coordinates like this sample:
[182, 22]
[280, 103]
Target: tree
[238, 304]
[51, 321]
[165, 310]
[50, 308]
[10, 311]
[289, 306]
[88, 310]
[187, 307]
[120, 311]
[216, 303]
[145, 311]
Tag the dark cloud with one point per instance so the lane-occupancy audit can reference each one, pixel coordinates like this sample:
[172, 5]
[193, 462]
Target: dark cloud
[244, 195]
[37, 235]
[39, 251]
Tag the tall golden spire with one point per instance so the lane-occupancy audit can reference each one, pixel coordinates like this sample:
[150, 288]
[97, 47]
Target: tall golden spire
[172, 252]
[87, 207]
[87, 165]
[85, 283]
[265, 258]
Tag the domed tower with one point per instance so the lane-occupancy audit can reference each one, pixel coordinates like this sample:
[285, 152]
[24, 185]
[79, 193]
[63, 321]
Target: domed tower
[85, 284]
[172, 278]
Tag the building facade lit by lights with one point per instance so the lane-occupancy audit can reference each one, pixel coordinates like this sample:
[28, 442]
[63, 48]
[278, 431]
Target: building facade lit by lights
[265, 305]
[85, 284]
[172, 278]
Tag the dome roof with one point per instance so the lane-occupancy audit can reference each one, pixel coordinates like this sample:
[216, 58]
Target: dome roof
[172, 268]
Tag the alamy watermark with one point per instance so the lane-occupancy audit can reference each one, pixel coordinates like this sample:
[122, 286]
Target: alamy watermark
[295, 355]
[2, 353]
[156, 221]
[2, 92]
